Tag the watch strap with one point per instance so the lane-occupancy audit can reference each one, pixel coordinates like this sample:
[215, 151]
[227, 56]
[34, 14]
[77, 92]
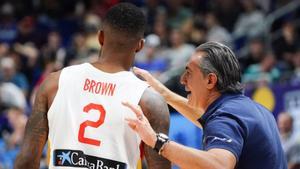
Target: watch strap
[162, 139]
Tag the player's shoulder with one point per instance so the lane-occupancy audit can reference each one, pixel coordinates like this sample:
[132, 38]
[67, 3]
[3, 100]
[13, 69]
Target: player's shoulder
[78, 67]
[152, 98]
[54, 75]
[150, 94]
[135, 78]
[155, 109]
[50, 83]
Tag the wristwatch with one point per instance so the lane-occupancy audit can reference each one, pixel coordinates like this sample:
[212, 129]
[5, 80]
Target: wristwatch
[162, 139]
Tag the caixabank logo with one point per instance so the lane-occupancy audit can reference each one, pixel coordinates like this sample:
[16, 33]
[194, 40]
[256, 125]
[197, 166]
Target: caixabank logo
[76, 158]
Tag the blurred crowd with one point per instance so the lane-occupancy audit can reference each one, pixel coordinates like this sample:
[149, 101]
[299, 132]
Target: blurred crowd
[38, 37]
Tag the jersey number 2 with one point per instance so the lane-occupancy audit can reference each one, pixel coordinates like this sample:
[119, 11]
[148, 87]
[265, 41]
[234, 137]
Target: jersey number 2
[94, 124]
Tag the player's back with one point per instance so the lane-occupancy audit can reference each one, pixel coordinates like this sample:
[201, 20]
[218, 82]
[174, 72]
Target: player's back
[86, 119]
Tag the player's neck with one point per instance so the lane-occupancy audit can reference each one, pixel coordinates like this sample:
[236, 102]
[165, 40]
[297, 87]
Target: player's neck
[115, 61]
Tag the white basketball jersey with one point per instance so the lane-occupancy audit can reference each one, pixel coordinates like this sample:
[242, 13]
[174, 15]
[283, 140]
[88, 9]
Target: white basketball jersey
[87, 126]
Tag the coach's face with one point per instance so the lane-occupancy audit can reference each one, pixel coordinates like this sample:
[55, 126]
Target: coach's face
[195, 82]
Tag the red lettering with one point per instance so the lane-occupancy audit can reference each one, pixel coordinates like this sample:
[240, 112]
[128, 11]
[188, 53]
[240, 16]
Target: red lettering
[104, 88]
[93, 83]
[98, 87]
[86, 84]
[111, 89]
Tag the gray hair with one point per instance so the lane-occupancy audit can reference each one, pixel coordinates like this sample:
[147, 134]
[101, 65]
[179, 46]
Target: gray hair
[220, 59]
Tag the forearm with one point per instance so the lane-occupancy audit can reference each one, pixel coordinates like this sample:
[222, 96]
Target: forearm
[189, 158]
[180, 104]
[32, 147]
[154, 161]
[26, 161]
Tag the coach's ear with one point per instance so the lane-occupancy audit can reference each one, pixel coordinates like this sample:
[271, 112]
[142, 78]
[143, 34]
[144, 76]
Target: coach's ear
[140, 45]
[212, 80]
[101, 37]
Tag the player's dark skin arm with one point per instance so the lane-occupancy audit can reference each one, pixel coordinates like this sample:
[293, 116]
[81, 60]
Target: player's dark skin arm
[156, 111]
[36, 132]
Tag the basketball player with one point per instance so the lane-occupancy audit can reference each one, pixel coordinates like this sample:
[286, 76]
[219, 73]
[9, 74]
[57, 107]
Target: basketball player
[79, 109]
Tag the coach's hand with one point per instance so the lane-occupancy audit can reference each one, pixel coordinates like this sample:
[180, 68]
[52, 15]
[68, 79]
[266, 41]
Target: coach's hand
[141, 125]
[157, 85]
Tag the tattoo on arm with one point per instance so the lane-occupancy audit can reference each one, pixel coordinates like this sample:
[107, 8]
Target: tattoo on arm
[36, 131]
[156, 110]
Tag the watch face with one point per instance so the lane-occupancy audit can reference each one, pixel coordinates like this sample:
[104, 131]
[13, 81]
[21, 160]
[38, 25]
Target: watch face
[163, 136]
[161, 140]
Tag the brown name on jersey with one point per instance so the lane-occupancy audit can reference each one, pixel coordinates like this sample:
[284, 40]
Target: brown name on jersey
[97, 87]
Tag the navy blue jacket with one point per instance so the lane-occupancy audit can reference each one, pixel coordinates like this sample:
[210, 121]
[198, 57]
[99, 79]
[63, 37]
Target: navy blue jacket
[236, 123]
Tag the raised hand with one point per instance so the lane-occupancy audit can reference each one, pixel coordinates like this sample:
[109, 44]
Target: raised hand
[141, 125]
[157, 85]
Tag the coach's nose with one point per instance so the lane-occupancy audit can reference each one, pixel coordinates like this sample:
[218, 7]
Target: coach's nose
[183, 78]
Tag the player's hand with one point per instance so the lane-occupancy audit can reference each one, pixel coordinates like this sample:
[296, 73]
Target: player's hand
[141, 125]
[157, 85]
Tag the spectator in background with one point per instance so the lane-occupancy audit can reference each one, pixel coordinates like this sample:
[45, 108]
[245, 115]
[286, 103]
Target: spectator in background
[28, 61]
[264, 72]
[92, 24]
[177, 14]
[285, 125]
[249, 23]
[228, 12]
[295, 75]
[195, 30]
[150, 57]
[49, 67]
[28, 32]
[101, 7]
[78, 52]
[4, 49]
[255, 54]
[177, 55]
[289, 139]
[8, 25]
[53, 50]
[9, 145]
[215, 32]
[11, 96]
[9, 73]
[153, 11]
[160, 29]
[17, 120]
[286, 45]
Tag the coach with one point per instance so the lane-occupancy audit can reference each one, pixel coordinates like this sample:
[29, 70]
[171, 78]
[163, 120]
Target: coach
[237, 132]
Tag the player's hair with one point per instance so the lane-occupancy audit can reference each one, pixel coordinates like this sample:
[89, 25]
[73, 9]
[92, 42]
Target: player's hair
[220, 59]
[127, 19]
